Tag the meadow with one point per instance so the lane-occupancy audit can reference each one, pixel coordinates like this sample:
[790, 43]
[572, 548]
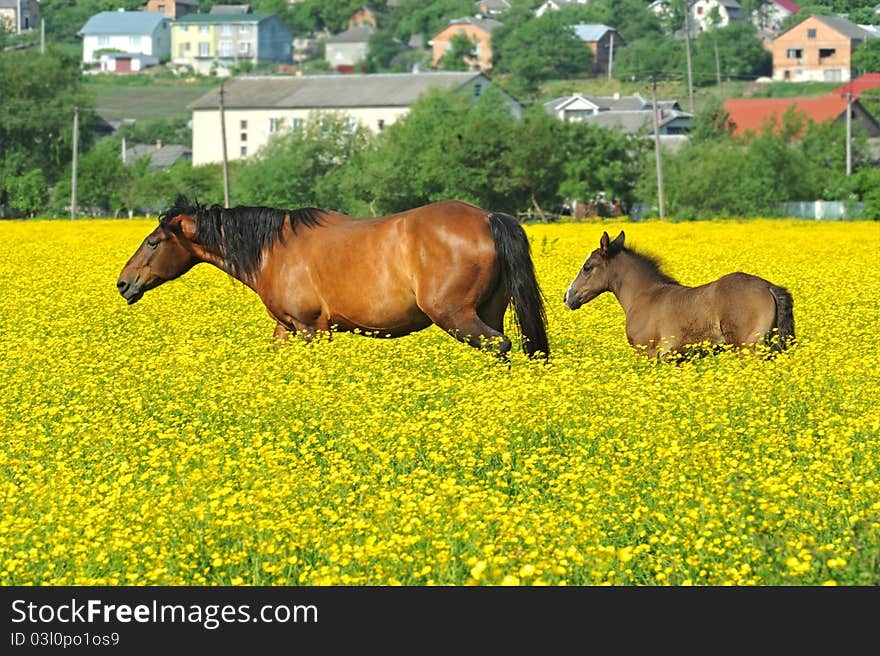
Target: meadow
[169, 443]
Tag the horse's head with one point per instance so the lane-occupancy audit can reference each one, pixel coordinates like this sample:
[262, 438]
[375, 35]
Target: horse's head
[594, 276]
[164, 255]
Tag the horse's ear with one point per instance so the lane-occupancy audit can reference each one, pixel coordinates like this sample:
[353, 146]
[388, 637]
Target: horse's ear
[617, 245]
[184, 225]
[603, 242]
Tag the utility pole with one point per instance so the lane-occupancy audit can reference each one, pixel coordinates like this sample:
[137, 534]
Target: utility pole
[687, 47]
[660, 200]
[42, 36]
[73, 166]
[611, 57]
[849, 130]
[717, 66]
[225, 159]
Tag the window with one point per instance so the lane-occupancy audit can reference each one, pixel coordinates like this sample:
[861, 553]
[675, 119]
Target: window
[244, 136]
[811, 34]
[203, 29]
[296, 123]
[243, 151]
[184, 28]
[244, 48]
[794, 53]
[186, 46]
[826, 52]
[104, 40]
[134, 41]
[226, 49]
[275, 124]
[244, 29]
[478, 89]
[204, 49]
[381, 124]
[243, 124]
[226, 29]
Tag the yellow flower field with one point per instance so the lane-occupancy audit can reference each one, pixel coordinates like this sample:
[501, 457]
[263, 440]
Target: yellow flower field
[169, 443]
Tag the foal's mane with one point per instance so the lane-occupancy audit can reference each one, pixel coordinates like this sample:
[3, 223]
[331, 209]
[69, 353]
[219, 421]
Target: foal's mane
[240, 234]
[651, 264]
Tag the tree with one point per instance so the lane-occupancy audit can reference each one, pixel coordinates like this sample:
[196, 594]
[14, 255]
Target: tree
[542, 49]
[740, 54]
[382, 49]
[866, 58]
[652, 56]
[37, 99]
[456, 58]
[300, 168]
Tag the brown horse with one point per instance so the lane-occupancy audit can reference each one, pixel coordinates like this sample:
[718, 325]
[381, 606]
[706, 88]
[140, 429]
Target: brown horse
[664, 317]
[448, 263]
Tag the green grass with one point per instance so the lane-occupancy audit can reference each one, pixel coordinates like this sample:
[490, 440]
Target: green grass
[146, 96]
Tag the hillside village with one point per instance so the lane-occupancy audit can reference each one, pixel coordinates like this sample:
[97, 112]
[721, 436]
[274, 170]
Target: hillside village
[274, 77]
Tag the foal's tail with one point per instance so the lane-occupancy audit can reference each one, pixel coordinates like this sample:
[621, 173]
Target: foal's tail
[518, 275]
[784, 318]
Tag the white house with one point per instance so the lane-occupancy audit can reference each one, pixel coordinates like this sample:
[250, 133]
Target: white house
[144, 35]
[556, 5]
[256, 107]
[768, 17]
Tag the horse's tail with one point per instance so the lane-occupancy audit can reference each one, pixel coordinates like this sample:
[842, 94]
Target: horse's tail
[784, 323]
[518, 275]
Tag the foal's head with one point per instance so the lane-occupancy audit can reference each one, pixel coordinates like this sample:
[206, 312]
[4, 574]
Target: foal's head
[594, 276]
[164, 255]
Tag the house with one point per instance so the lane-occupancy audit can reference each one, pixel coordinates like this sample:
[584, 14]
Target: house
[363, 16]
[161, 155]
[342, 51]
[602, 41]
[818, 49]
[255, 108]
[125, 41]
[19, 15]
[477, 29]
[752, 115]
[173, 8]
[556, 5]
[629, 114]
[768, 17]
[207, 41]
[707, 15]
[704, 15]
[857, 87]
[489, 8]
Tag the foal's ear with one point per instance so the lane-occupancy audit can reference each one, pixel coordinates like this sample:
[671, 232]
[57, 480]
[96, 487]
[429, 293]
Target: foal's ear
[617, 245]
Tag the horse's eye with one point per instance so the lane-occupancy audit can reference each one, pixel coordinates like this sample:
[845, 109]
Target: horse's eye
[153, 243]
[587, 268]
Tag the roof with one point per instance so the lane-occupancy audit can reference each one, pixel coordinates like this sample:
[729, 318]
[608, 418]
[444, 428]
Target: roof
[595, 32]
[160, 157]
[331, 91]
[223, 18]
[359, 34]
[839, 25]
[123, 22]
[633, 122]
[230, 9]
[856, 87]
[488, 24]
[632, 103]
[788, 4]
[746, 114]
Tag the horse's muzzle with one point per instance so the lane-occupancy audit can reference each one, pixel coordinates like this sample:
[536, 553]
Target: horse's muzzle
[572, 302]
[132, 293]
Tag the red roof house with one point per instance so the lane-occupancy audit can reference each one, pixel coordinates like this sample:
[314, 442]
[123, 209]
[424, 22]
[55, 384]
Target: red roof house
[858, 86]
[752, 114]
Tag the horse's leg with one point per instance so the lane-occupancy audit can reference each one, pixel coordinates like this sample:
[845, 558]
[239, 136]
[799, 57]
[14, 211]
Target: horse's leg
[466, 326]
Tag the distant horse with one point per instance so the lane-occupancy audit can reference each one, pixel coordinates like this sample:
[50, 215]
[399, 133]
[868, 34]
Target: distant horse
[664, 317]
[448, 263]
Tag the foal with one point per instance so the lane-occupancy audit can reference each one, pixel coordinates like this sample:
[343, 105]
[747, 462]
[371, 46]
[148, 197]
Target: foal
[664, 317]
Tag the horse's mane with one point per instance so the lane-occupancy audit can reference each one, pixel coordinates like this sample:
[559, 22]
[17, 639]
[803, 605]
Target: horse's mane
[240, 234]
[651, 264]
